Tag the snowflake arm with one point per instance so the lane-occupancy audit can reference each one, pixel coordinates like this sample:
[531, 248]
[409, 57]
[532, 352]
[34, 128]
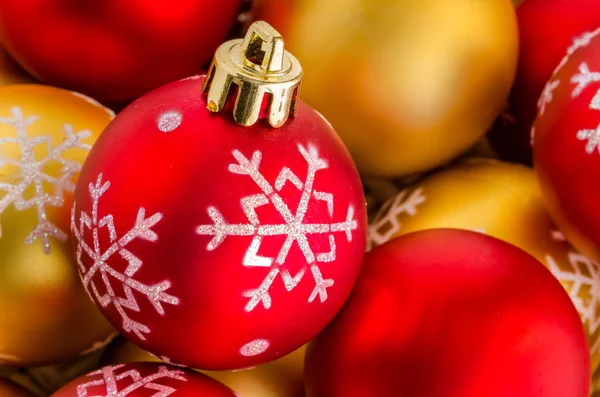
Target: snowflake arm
[386, 224]
[547, 95]
[32, 174]
[293, 228]
[110, 378]
[583, 282]
[142, 230]
[592, 137]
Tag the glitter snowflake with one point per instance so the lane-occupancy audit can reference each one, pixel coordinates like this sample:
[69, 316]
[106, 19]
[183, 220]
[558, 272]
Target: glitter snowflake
[112, 375]
[294, 227]
[583, 79]
[592, 137]
[547, 95]
[582, 41]
[578, 42]
[582, 282]
[386, 223]
[142, 229]
[33, 174]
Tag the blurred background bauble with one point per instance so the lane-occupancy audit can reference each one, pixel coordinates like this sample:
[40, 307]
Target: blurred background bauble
[408, 85]
[548, 29]
[45, 314]
[112, 50]
[502, 200]
[566, 144]
[451, 313]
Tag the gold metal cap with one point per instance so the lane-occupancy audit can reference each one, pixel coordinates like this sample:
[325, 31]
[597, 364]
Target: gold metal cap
[259, 65]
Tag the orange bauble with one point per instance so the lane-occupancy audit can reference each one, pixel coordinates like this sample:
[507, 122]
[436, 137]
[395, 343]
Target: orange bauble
[407, 84]
[45, 135]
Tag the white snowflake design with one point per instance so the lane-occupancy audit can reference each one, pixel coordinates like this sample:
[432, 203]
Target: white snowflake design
[293, 228]
[547, 95]
[578, 42]
[592, 137]
[582, 41]
[582, 283]
[386, 223]
[142, 229]
[110, 379]
[32, 174]
[584, 78]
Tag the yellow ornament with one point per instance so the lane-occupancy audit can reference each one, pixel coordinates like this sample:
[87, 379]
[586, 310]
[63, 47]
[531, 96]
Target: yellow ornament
[8, 389]
[408, 85]
[10, 72]
[279, 378]
[502, 200]
[45, 314]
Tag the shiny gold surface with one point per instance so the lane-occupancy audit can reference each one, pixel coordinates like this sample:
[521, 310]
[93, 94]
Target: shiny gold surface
[408, 85]
[45, 314]
[259, 66]
[502, 200]
[280, 378]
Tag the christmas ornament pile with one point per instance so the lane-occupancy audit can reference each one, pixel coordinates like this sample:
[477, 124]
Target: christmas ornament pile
[340, 214]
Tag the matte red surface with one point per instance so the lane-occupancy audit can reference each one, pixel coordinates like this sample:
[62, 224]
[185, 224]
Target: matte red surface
[184, 172]
[568, 174]
[114, 50]
[184, 383]
[456, 314]
[546, 29]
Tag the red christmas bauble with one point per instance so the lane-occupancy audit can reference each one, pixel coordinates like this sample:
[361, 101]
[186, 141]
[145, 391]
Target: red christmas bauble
[547, 29]
[451, 313]
[114, 50]
[566, 137]
[216, 245]
[144, 380]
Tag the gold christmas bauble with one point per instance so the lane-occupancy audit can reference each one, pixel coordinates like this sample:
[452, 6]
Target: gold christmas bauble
[45, 314]
[279, 378]
[408, 85]
[9, 389]
[502, 200]
[10, 72]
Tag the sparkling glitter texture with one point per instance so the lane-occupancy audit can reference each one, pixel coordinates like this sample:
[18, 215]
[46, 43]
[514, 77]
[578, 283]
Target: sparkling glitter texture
[111, 375]
[169, 121]
[583, 281]
[142, 229]
[32, 174]
[547, 95]
[583, 79]
[254, 348]
[294, 227]
[386, 224]
[592, 137]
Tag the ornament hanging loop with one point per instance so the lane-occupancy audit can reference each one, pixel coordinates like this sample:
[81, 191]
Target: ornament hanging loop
[263, 44]
[260, 66]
